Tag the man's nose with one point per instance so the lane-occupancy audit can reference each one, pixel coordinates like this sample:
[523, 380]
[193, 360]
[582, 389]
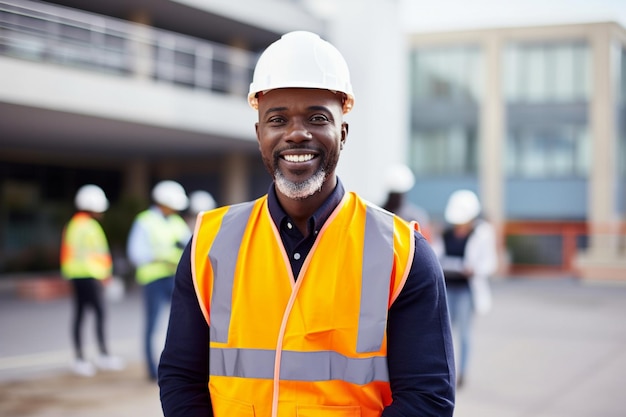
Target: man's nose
[298, 132]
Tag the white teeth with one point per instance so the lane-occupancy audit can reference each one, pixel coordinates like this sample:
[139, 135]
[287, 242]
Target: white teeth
[298, 158]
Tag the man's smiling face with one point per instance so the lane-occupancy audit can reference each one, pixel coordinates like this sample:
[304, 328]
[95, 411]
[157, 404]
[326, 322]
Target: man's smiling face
[300, 133]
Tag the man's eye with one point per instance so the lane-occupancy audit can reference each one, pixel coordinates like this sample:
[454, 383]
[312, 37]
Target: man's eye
[276, 119]
[319, 118]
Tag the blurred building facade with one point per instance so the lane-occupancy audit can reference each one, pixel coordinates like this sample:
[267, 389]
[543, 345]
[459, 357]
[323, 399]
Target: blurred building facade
[534, 120]
[124, 93]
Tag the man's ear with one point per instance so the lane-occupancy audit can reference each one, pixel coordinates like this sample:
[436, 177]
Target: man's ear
[344, 134]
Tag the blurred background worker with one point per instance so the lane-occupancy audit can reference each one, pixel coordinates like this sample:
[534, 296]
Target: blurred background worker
[399, 180]
[468, 255]
[199, 201]
[86, 263]
[155, 245]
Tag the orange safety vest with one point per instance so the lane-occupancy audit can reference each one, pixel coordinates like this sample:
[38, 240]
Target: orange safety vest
[306, 347]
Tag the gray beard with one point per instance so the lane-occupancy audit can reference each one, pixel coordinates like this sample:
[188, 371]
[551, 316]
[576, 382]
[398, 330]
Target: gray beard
[300, 190]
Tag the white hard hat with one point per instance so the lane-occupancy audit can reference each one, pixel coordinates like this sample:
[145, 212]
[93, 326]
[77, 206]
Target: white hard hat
[201, 201]
[399, 179]
[170, 194]
[463, 207]
[301, 59]
[91, 198]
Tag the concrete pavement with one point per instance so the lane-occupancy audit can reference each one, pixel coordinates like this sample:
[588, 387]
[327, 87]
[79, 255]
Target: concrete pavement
[551, 347]
[35, 358]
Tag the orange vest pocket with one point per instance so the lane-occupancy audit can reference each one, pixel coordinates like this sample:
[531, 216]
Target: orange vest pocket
[223, 406]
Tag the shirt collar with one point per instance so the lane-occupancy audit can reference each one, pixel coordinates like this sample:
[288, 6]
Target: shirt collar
[320, 216]
[157, 210]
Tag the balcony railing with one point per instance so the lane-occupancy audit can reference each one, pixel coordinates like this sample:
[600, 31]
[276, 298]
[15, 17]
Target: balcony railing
[63, 36]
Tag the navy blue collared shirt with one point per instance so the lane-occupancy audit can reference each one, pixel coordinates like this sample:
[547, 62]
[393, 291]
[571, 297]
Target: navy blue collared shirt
[296, 245]
[420, 358]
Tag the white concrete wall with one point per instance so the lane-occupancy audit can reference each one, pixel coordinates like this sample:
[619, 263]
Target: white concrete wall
[89, 93]
[369, 36]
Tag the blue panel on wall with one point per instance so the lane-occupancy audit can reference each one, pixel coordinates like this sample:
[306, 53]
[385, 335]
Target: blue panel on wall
[524, 199]
[432, 194]
[546, 199]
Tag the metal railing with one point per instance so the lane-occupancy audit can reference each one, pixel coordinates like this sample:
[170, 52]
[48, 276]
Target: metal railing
[553, 246]
[63, 36]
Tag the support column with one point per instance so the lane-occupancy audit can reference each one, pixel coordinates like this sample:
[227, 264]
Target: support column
[136, 180]
[141, 50]
[602, 260]
[239, 66]
[491, 144]
[235, 179]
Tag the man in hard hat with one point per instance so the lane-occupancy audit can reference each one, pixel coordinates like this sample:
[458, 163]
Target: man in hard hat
[155, 245]
[399, 180]
[468, 255]
[86, 263]
[307, 301]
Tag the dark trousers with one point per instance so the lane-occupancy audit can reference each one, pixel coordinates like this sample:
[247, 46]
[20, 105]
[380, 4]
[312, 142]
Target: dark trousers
[87, 294]
[157, 296]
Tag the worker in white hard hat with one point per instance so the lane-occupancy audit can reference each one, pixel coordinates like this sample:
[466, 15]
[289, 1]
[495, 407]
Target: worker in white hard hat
[155, 245]
[86, 263]
[468, 254]
[199, 201]
[399, 180]
[319, 302]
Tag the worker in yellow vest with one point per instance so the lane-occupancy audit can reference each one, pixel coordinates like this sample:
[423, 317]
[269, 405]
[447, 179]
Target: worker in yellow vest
[86, 263]
[155, 245]
[309, 301]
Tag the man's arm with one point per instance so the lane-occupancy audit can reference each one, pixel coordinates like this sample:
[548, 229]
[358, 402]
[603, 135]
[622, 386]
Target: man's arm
[419, 349]
[138, 247]
[183, 369]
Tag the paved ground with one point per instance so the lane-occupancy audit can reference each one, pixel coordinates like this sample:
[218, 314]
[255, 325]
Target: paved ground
[550, 348]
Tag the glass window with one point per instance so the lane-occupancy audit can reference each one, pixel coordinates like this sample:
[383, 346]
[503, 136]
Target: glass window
[563, 58]
[547, 72]
[534, 60]
[446, 150]
[548, 151]
[451, 77]
[446, 73]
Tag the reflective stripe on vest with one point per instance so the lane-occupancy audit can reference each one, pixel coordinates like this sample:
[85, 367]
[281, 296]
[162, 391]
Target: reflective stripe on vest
[307, 366]
[298, 366]
[378, 224]
[226, 244]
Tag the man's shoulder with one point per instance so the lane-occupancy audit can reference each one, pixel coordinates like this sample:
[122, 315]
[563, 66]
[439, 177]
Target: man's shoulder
[483, 229]
[146, 212]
